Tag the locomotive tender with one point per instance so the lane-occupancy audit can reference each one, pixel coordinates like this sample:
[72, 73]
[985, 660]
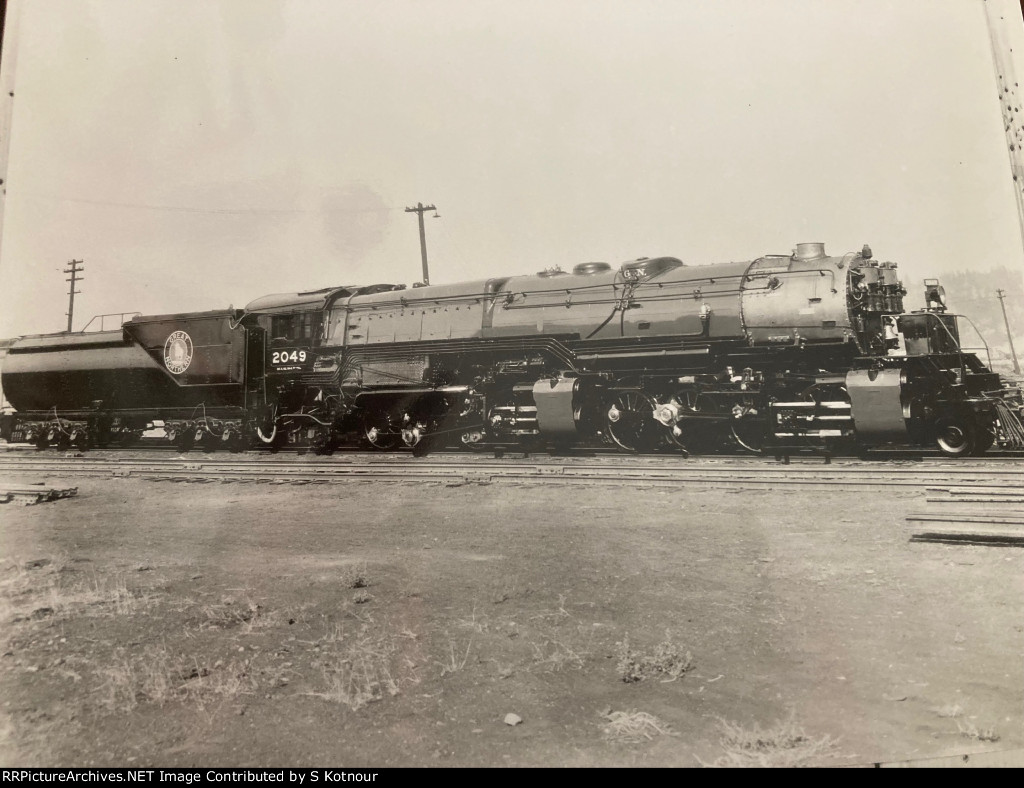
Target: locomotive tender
[652, 355]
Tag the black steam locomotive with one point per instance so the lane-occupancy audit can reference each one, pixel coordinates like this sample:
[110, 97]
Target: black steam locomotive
[651, 355]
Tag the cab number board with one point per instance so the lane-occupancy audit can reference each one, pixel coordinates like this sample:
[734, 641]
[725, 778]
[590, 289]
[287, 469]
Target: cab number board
[288, 357]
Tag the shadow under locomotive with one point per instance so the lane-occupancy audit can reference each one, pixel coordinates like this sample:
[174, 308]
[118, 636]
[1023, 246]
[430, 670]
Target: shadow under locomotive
[781, 353]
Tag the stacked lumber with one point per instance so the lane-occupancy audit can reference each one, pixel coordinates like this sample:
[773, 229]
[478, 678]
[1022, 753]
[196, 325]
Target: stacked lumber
[997, 524]
[32, 494]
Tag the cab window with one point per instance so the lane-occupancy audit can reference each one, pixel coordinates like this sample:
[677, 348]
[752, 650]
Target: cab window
[301, 328]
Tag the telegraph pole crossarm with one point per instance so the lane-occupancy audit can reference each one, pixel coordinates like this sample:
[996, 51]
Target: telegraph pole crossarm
[77, 266]
[419, 209]
[1001, 294]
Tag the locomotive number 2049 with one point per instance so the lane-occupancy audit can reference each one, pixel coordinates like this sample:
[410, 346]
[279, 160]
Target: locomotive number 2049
[287, 356]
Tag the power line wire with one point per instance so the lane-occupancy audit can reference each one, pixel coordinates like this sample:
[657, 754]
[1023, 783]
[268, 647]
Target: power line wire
[184, 209]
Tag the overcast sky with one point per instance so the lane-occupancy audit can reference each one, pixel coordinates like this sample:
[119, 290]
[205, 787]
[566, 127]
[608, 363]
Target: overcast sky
[200, 153]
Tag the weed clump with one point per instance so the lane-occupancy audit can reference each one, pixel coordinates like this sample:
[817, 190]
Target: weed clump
[355, 577]
[784, 745]
[632, 727]
[667, 660]
[227, 615]
[971, 731]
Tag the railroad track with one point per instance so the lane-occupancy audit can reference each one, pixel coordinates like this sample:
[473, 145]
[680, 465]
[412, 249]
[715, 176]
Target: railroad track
[163, 447]
[992, 478]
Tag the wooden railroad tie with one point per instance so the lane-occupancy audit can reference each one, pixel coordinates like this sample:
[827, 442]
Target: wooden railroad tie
[988, 537]
[999, 528]
[34, 494]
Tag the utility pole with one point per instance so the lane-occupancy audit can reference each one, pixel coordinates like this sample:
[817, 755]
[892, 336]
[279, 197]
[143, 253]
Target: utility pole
[1010, 104]
[10, 11]
[74, 270]
[419, 209]
[1000, 294]
[1009, 99]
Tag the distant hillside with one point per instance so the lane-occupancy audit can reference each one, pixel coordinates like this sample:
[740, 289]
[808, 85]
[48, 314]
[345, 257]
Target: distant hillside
[973, 293]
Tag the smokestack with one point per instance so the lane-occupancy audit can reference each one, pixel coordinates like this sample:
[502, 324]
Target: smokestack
[809, 251]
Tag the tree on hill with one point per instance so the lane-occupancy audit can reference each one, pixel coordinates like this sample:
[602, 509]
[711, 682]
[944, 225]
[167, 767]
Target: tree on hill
[973, 294]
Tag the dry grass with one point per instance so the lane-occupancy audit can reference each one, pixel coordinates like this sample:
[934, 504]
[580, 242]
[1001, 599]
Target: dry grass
[667, 660]
[477, 624]
[971, 731]
[551, 639]
[785, 745]
[556, 655]
[244, 616]
[101, 596]
[49, 588]
[363, 667]
[456, 658]
[228, 615]
[633, 727]
[559, 641]
[17, 590]
[967, 729]
[155, 675]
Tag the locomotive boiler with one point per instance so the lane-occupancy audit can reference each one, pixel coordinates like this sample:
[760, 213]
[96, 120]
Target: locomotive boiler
[791, 350]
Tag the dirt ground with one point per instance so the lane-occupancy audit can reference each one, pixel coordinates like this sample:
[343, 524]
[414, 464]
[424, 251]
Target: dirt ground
[398, 624]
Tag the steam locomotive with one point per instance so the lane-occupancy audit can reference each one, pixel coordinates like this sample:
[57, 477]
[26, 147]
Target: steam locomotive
[799, 350]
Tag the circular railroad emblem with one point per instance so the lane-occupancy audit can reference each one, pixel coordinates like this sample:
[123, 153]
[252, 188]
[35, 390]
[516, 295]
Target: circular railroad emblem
[178, 352]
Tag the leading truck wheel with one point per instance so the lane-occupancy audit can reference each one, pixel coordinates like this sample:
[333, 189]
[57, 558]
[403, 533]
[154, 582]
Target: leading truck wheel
[955, 437]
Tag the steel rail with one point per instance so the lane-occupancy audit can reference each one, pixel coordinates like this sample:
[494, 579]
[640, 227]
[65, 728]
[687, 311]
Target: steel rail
[871, 458]
[553, 470]
[612, 463]
[931, 477]
[462, 457]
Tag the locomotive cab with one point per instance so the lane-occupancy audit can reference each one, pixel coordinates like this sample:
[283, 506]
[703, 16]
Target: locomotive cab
[290, 339]
[293, 326]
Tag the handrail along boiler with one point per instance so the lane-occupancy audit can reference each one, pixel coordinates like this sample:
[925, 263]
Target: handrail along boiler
[651, 355]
